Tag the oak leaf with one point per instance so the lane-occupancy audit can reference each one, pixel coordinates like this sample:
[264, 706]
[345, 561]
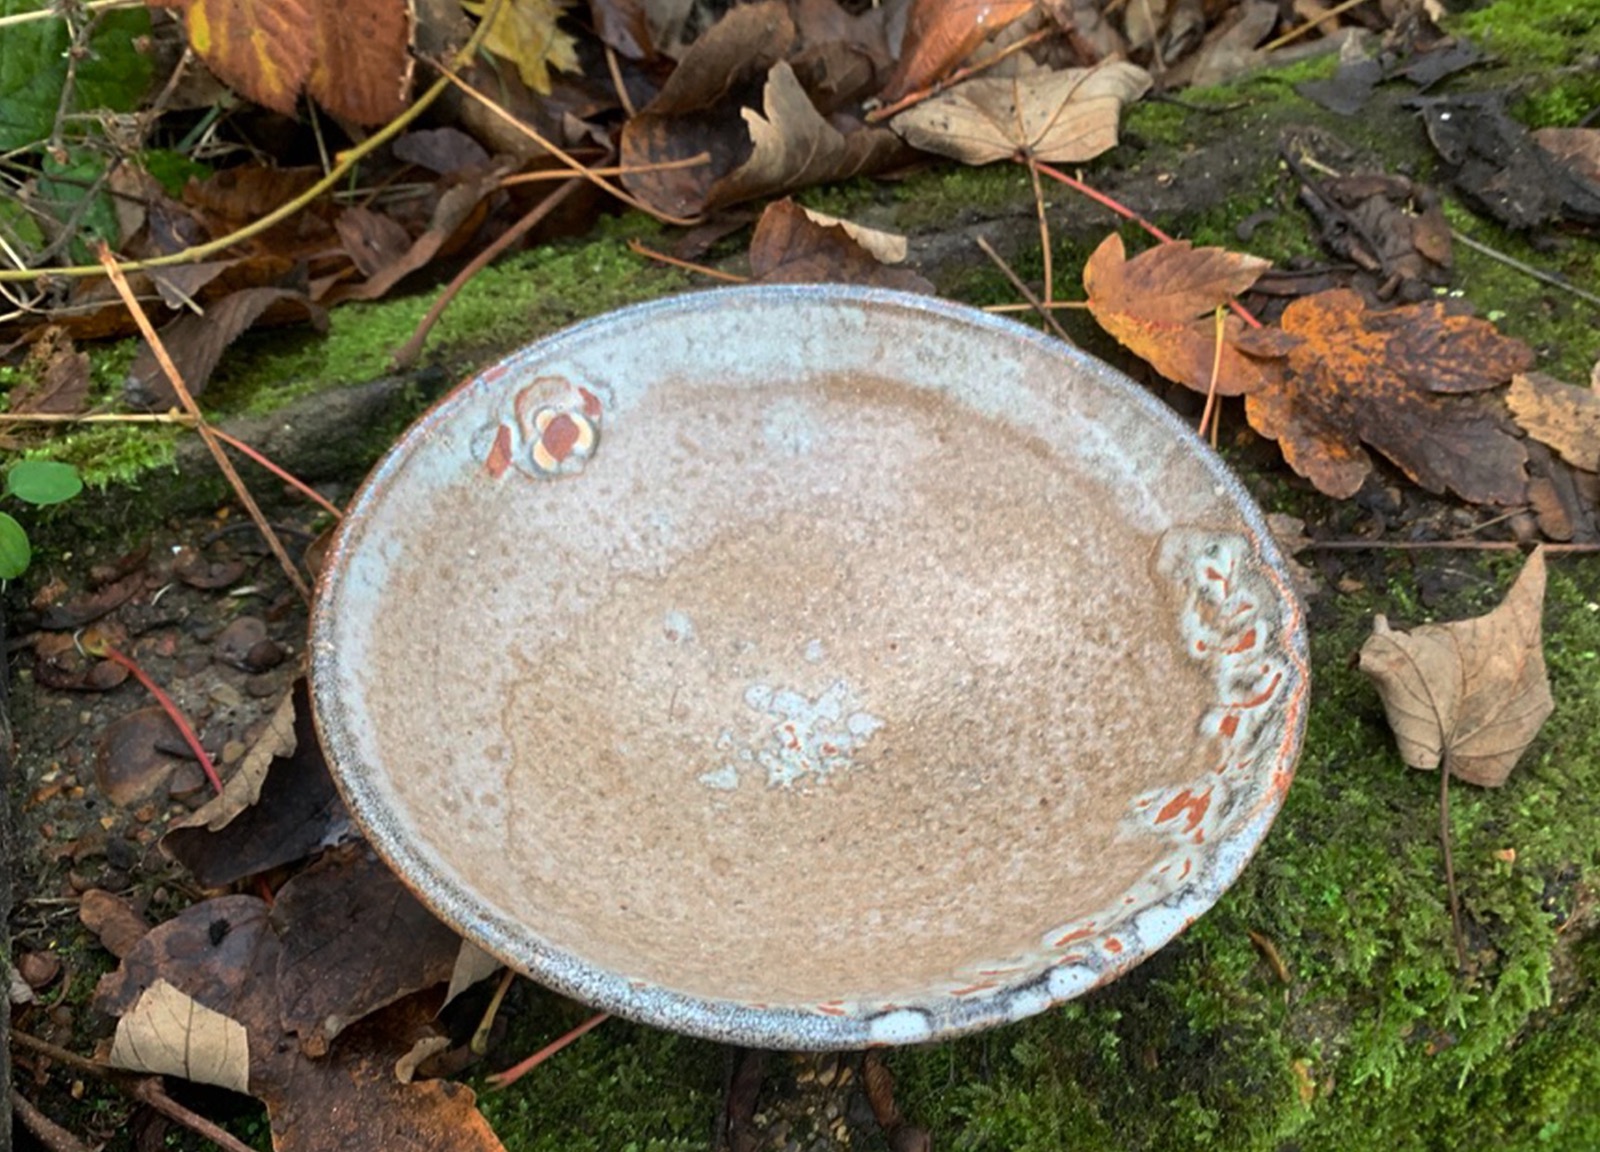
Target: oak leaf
[1341, 376]
[1557, 414]
[1061, 117]
[1472, 694]
[942, 33]
[1150, 304]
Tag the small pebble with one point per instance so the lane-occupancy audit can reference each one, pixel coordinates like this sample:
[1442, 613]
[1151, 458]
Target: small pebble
[261, 687]
[238, 639]
[226, 696]
[38, 968]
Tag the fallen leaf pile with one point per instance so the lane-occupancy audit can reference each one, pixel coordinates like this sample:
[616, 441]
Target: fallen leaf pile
[1469, 695]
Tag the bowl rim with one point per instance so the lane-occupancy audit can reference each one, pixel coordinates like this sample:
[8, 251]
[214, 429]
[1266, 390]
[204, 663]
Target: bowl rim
[931, 1017]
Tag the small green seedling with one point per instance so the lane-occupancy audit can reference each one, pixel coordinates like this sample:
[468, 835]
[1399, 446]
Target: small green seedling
[36, 482]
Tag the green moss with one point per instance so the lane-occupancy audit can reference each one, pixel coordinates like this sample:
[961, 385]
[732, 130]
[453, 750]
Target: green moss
[948, 194]
[1549, 52]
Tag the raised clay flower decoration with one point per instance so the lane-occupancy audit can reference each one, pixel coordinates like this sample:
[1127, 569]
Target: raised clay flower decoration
[553, 429]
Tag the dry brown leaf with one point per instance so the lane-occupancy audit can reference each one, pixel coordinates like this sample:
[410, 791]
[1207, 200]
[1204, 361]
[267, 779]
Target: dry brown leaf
[472, 965]
[353, 57]
[789, 247]
[1471, 694]
[113, 920]
[1060, 117]
[1560, 415]
[884, 247]
[1577, 148]
[1346, 375]
[1150, 304]
[172, 1034]
[941, 34]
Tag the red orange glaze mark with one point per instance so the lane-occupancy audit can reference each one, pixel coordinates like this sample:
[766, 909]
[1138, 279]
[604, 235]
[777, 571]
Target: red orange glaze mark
[1114, 946]
[1194, 803]
[566, 440]
[1229, 725]
[832, 1009]
[1075, 934]
[970, 989]
[1187, 865]
[1071, 958]
[499, 458]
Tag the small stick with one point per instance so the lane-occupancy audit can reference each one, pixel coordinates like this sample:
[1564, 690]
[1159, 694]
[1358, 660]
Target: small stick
[52, 10]
[149, 1090]
[1211, 392]
[480, 1038]
[1443, 546]
[1449, 866]
[1054, 304]
[640, 249]
[616, 82]
[120, 283]
[53, 1136]
[1295, 33]
[1538, 274]
[695, 161]
[1269, 953]
[182, 418]
[1027, 293]
[1044, 228]
[412, 348]
[511, 1075]
[167, 706]
[283, 474]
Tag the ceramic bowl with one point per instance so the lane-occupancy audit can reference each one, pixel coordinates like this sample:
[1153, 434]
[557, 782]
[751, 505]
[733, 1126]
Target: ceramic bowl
[809, 667]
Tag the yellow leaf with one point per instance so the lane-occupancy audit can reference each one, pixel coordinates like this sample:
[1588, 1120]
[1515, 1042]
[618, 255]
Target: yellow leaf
[525, 32]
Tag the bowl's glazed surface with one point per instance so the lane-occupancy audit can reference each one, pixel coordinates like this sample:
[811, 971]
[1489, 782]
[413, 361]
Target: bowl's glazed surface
[809, 667]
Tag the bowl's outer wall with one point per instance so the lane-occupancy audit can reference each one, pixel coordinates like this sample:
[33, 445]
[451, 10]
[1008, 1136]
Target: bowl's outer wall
[1240, 617]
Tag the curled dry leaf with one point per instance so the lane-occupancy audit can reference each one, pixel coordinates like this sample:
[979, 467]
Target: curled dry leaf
[1150, 304]
[1557, 414]
[1345, 376]
[172, 1034]
[1471, 694]
[789, 247]
[1060, 117]
[940, 34]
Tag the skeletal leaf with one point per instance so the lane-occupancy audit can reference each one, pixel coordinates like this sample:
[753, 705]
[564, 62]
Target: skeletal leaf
[1471, 694]
[172, 1034]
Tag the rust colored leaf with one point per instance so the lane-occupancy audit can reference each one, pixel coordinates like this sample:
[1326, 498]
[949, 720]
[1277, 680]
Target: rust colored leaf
[352, 57]
[1471, 694]
[1061, 117]
[1151, 304]
[1557, 414]
[1576, 148]
[940, 34]
[1341, 376]
[354, 940]
[196, 343]
[625, 26]
[789, 247]
[113, 920]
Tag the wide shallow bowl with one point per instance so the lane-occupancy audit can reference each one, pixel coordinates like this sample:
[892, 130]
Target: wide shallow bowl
[809, 667]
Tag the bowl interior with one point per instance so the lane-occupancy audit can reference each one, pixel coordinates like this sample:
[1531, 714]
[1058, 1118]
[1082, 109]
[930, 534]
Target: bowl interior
[809, 667]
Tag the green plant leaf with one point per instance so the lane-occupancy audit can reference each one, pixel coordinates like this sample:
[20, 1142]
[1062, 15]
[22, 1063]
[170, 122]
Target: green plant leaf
[113, 74]
[63, 189]
[43, 481]
[15, 551]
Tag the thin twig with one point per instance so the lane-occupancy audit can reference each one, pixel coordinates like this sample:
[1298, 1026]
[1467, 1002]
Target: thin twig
[480, 1036]
[1295, 33]
[1538, 274]
[956, 77]
[182, 418]
[1054, 305]
[559, 153]
[1269, 953]
[412, 348]
[168, 705]
[1444, 546]
[1211, 392]
[616, 82]
[1044, 229]
[1027, 293]
[1449, 865]
[175, 378]
[699, 159]
[640, 249]
[53, 1136]
[54, 11]
[149, 1090]
[281, 473]
[511, 1075]
[62, 1055]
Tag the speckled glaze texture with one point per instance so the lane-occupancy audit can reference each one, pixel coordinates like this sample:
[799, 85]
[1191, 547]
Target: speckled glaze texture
[809, 667]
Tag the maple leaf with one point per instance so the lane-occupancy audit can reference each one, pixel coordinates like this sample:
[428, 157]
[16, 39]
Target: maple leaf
[353, 57]
[525, 32]
[1346, 376]
[1060, 117]
[1150, 303]
[1472, 694]
[942, 33]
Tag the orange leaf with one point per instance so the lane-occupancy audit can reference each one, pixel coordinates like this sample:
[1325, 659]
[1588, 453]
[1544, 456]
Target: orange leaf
[353, 58]
[942, 33]
[1340, 376]
[1151, 304]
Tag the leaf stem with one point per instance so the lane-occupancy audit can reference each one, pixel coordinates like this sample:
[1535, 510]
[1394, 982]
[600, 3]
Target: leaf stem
[1449, 864]
[167, 706]
[511, 1075]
